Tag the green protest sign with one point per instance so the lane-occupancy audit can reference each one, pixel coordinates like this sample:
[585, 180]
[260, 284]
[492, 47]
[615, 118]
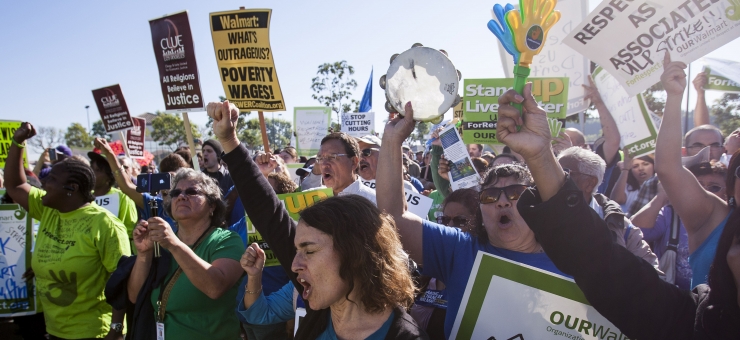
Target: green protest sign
[480, 104]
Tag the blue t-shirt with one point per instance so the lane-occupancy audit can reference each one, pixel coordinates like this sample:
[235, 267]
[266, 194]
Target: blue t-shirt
[701, 259]
[238, 211]
[146, 212]
[417, 184]
[659, 235]
[449, 255]
[380, 334]
[267, 310]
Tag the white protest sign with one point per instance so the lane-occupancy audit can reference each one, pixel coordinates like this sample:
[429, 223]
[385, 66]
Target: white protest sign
[559, 60]
[509, 300]
[109, 202]
[311, 125]
[629, 38]
[15, 258]
[722, 75]
[358, 124]
[636, 127]
[462, 172]
[417, 203]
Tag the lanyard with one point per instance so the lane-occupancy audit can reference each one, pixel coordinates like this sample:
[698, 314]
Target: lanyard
[166, 287]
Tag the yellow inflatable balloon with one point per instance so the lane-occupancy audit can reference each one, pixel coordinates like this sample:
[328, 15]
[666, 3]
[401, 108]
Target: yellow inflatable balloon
[530, 27]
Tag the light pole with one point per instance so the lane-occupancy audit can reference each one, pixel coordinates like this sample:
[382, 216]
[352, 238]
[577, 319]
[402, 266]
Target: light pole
[87, 108]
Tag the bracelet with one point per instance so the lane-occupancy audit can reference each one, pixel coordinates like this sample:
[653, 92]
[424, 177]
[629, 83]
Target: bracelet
[20, 145]
[251, 292]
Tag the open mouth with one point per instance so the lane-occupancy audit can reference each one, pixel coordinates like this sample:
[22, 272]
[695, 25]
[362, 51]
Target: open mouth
[327, 176]
[504, 221]
[306, 288]
[364, 166]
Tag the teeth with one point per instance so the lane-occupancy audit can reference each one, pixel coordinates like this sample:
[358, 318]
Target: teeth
[302, 280]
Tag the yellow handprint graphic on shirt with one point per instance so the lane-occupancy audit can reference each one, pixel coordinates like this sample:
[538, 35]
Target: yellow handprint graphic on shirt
[530, 25]
[67, 286]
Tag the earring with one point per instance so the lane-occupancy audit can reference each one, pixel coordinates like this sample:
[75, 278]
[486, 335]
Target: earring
[69, 194]
[732, 203]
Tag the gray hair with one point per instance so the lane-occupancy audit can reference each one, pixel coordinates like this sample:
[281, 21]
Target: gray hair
[589, 163]
[208, 186]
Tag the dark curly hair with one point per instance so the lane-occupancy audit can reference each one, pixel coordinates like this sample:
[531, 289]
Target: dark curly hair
[351, 148]
[284, 184]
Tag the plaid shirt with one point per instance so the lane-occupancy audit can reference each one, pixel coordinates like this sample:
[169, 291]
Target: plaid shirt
[648, 190]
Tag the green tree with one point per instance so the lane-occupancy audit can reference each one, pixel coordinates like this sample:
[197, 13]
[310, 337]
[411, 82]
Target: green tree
[726, 112]
[77, 136]
[278, 133]
[169, 129]
[655, 98]
[98, 130]
[422, 129]
[333, 87]
[46, 137]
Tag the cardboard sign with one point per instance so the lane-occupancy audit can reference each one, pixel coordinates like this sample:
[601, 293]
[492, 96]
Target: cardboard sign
[7, 130]
[480, 104]
[629, 39]
[358, 124]
[509, 300]
[16, 238]
[112, 108]
[636, 127]
[245, 61]
[722, 75]
[110, 202]
[416, 202]
[559, 60]
[311, 125]
[135, 138]
[178, 71]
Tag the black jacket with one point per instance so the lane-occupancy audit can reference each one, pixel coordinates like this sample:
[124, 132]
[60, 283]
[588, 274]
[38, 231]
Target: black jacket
[271, 219]
[622, 287]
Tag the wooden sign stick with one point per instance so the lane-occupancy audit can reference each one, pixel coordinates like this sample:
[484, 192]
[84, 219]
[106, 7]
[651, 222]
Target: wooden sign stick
[191, 142]
[265, 142]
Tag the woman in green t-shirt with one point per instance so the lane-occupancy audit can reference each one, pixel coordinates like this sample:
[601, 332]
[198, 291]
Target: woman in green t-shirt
[77, 248]
[196, 298]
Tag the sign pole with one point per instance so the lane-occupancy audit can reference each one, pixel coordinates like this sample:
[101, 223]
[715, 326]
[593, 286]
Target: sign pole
[191, 142]
[125, 144]
[265, 142]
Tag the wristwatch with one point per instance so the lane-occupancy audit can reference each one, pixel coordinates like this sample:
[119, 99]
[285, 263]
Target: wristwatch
[116, 327]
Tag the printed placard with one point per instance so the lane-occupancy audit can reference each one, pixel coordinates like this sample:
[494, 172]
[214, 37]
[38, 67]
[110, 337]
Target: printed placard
[16, 237]
[559, 60]
[358, 124]
[135, 138]
[7, 130]
[311, 125]
[110, 202]
[722, 75]
[246, 66]
[636, 127]
[629, 39]
[480, 104]
[294, 203]
[416, 202]
[112, 108]
[509, 300]
[178, 72]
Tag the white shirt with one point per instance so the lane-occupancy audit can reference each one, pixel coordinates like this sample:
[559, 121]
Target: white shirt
[357, 188]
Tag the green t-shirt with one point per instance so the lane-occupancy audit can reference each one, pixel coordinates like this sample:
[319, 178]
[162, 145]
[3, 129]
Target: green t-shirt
[122, 207]
[191, 314]
[74, 255]
[437, 200]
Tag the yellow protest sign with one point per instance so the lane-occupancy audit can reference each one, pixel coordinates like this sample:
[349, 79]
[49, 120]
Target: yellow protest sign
[7, 129]
[246, 67]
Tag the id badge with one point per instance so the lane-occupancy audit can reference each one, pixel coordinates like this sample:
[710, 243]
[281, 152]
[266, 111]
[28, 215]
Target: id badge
[160, 331]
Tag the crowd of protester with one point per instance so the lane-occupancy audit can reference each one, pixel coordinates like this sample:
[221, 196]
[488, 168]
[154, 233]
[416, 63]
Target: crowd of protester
[653, 241]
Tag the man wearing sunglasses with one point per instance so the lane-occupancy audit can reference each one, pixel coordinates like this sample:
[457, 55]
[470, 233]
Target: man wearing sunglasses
[369, 152]
[338, 160]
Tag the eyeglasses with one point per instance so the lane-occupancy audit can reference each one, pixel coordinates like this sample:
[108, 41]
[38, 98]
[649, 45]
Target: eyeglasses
[329, 158]
[714, 188]
[189, 191]
[699, 146]
[457, 221]
[369, 151]
[512, 192]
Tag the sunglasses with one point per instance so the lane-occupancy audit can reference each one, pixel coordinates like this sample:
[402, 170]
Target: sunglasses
[189, 191]
[492, 194]
[369, 151]
[457, 221]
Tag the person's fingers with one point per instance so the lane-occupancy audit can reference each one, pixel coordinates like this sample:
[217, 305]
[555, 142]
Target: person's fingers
[408, 112]
[507, 112]
[529, 104]
[666, 59]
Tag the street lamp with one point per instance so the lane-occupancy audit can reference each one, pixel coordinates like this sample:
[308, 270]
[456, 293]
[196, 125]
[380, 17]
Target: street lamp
[87, 108]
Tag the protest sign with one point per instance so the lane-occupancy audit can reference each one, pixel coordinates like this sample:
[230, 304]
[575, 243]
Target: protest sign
[16, 297]
[462, 172]
[629, 39]
[417, 203]
[294, 203]
[7, 130]
[480, 104]
[722, 75]
[178, 71]
[358, 124]
[245, 61]
[291, 169]
[558, 59]
[636, 127]
[509, 300]
[311, 125]
[110, 202]
[112, 108]
[135, 138]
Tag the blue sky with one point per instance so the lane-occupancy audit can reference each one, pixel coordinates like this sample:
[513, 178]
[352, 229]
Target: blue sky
[55, 52]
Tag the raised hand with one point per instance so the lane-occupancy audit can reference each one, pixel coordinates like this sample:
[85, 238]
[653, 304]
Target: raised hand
[534, 137]
[592, 93]
[528, 38]
[67, 287]
[699, 81]
[400, 127]
[253, 260]
[225, 116]
[501, 30]
[561, 142]
[435, 137]
[24, 132]
[267, 163]
[103, 146]
[142, 242]
[160, 231]
[673, 77]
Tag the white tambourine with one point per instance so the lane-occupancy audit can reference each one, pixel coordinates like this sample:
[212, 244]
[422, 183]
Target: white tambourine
[425, 77]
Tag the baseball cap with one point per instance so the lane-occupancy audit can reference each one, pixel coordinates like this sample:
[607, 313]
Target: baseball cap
[369, 139]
